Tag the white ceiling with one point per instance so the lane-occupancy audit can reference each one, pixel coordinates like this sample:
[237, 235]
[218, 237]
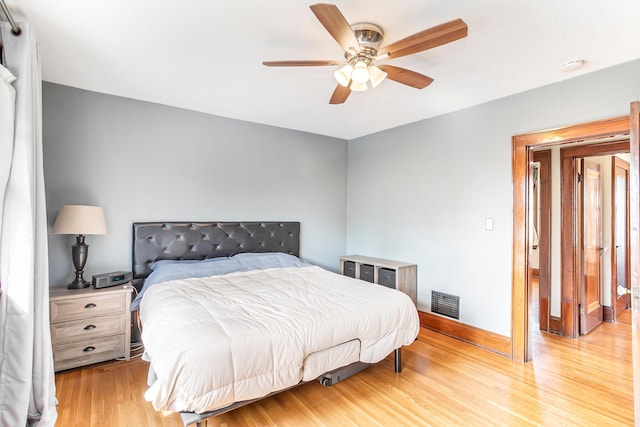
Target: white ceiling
[206, 55]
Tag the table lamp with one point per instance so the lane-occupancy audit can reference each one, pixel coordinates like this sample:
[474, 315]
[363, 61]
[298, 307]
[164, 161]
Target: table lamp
[81, 221]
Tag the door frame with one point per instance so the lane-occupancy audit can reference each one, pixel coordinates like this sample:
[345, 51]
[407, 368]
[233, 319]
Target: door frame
[624, 165]
[634, 248]
[522, 156]
[571, 274]
[544, 238]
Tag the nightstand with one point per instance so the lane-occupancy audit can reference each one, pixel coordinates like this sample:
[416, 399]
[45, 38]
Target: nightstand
[89, 325]
[402, 276]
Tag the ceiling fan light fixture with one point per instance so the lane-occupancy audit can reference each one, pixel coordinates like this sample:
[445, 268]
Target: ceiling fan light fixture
[358, 86]
[376, 75]
[343, 75]
[361, 43]
[360, 72]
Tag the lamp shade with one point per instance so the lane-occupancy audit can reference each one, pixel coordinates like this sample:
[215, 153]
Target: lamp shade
[343, 75]
[357, 86]
[360, 72]
[376, 75]
[79, 219]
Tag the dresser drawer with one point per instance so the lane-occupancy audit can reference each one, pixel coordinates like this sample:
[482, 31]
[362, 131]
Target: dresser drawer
[87, 306]
[80, 353]
[74, 330]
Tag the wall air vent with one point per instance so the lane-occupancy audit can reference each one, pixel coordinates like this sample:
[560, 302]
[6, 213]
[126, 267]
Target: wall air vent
[445, 304]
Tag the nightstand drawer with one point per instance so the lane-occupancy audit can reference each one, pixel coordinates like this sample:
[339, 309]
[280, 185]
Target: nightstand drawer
[87, 306]
[89, 325]
[75, 330]
[66, 356]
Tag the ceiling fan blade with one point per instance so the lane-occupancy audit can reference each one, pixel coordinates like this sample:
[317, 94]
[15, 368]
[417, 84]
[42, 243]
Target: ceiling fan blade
[335, 23]
[426, 39]
[340, 95]
[299, 63]
[406, 77]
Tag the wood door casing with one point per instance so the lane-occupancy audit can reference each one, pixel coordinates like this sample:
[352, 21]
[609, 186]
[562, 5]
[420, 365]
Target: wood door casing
[522, 146]
[522, 155]
[544, 237]
[591, 245]
[620, 236]
[570, 256]
[634, 247]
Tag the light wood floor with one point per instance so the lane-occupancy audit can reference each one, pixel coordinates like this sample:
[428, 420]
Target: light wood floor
[444, 382]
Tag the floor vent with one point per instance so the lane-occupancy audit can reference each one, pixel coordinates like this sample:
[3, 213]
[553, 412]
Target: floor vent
[445, 304]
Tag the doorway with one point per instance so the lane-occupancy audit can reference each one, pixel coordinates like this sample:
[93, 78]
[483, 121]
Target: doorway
[577, 318]
[523, 145]
[599, 303]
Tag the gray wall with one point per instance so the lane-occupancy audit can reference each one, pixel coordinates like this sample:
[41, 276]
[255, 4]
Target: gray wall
[421, 192]
[417, 193]
[146, 162]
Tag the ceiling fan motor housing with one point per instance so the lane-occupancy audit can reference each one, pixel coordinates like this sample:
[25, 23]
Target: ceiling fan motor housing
[369, 36]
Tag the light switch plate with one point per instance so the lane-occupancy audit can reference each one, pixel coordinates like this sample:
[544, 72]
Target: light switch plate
[488, 224]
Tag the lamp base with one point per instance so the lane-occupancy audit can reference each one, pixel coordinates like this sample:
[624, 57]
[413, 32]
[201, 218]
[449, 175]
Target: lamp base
[79, 253]
[76, 284]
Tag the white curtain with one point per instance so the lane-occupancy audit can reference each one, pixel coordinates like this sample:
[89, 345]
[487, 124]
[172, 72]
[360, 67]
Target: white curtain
[27, 384]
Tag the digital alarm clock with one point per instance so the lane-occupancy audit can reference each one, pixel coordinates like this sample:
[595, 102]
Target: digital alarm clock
[111, 279]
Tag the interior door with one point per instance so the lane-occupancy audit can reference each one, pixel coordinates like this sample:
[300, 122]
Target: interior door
[590, 310]
[620, 236]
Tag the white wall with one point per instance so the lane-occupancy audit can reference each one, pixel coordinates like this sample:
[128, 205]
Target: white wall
[148, 162]
[421, 192]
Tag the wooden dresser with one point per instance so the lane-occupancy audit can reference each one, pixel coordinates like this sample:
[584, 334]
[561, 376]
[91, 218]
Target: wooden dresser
[89, 325]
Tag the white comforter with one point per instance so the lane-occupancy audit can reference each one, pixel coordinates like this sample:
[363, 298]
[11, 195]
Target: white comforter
[222, 339]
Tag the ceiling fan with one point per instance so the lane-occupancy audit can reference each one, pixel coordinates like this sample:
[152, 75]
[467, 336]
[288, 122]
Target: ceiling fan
[361, 44]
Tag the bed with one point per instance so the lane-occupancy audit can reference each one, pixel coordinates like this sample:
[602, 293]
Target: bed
[231, 314]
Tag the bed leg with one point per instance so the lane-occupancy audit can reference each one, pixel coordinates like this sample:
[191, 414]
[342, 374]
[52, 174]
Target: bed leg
[398, 360]
[202, 423]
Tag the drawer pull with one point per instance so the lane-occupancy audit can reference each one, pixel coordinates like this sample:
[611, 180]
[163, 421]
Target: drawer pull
[89, 327]
[90, 305]
[88, 349]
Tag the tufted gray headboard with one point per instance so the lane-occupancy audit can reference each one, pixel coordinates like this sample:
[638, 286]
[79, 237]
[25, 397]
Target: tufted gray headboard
[153, 241]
